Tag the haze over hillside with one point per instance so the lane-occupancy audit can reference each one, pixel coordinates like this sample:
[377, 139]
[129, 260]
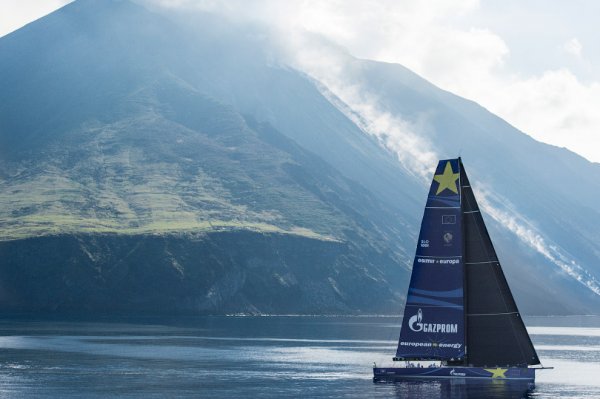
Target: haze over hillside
[150, 164]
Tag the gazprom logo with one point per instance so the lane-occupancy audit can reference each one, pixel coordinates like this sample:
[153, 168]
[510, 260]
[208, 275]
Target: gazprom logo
[416, 324]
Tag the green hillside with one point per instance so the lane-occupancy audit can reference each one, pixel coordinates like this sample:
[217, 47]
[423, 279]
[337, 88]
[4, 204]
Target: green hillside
[161, 170]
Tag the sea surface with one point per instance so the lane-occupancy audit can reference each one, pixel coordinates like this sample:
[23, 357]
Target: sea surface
[260, 357]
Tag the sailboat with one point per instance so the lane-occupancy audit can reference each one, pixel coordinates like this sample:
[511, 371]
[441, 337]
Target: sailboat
[460, 315]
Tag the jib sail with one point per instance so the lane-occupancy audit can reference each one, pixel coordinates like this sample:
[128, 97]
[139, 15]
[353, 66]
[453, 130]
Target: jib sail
[496, 334]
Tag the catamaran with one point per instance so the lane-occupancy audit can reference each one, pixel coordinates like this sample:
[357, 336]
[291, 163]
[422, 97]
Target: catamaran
[460, 313]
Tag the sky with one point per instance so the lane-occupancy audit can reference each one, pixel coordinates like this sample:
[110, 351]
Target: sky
[534, 63]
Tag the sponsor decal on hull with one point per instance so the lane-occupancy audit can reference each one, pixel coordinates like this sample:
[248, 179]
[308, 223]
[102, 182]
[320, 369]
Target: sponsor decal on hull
[513, 373]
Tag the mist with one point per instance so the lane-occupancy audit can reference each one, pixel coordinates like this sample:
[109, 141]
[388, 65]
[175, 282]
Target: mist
[292, 41]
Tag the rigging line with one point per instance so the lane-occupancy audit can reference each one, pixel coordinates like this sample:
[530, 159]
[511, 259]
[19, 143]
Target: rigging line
[391, 331]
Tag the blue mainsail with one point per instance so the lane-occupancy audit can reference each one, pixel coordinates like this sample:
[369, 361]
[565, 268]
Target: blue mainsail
[433, 326]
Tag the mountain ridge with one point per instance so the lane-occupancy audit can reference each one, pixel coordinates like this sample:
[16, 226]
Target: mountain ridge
[163, 137]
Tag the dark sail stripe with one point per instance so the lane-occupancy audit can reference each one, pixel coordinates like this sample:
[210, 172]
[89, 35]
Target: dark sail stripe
[480, 263]
[490, 314]
[457, 293]
[429, 301]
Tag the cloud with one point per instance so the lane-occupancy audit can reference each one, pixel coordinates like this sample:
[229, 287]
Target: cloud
[456, 45]
[440, 41]
[555, 107]
[331, 68]
[573, 47]
[461, 46]
[16, 13]
[320, 39]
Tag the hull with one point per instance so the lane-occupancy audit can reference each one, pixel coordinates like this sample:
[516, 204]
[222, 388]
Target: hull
[468, 373]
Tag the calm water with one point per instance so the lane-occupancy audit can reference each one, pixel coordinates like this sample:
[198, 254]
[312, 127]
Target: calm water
[267, 357]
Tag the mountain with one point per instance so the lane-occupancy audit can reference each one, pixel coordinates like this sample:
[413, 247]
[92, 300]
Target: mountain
[539, 198]
[117, 170]
[151, 165]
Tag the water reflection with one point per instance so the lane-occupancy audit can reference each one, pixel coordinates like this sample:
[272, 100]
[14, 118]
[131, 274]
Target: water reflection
[258, 357]
[460, 388]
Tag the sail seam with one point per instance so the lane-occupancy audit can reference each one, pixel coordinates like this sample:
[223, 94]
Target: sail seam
[491, 314]
[439, 257]
[480, 263]
[414, 305]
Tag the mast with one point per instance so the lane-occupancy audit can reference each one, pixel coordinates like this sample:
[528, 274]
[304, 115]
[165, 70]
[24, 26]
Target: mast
[464, 272]
[496, 334]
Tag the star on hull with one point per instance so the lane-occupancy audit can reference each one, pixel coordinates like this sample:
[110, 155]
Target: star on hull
[390, 374]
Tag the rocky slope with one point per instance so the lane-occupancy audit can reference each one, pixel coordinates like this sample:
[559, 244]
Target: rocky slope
[157, 167]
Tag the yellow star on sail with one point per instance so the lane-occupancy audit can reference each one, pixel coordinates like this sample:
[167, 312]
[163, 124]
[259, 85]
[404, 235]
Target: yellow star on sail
[447, 180]
[497, 373]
